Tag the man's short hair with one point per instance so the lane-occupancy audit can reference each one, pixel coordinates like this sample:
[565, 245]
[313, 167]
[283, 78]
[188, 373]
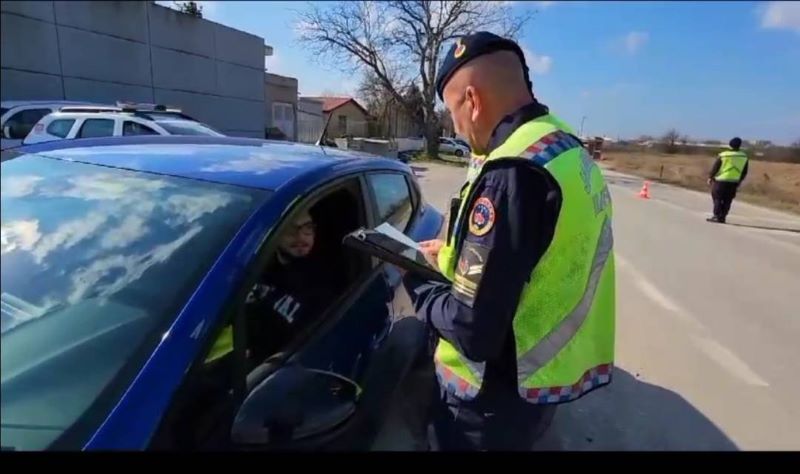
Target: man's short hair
[735, 143]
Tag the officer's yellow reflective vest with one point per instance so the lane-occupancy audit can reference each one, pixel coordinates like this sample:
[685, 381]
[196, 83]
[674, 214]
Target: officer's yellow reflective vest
[732, 166]
[564, 322]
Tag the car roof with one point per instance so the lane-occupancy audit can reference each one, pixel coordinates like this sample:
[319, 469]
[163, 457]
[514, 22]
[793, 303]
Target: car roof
[249, 162]
[110, 114]
[17, 103]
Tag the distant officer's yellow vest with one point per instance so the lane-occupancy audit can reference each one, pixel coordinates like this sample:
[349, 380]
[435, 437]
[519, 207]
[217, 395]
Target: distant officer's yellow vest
[732, 166]
[564, 322]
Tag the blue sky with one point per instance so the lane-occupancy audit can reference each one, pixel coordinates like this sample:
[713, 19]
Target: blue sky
[709, 69]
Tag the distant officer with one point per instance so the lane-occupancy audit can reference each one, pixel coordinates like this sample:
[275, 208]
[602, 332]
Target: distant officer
[726, 175]
[528, 320]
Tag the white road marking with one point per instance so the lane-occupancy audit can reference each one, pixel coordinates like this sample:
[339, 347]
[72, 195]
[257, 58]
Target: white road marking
[713, 349]
[652, 292]
[728, 360]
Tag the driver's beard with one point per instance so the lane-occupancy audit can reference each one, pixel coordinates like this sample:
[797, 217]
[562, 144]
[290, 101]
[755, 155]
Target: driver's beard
[286, 259]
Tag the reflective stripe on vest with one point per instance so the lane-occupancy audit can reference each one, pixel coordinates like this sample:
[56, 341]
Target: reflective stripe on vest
[544, 351]
[732, 166]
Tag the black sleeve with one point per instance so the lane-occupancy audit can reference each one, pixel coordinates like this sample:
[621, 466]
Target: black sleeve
[744, 170]
[715, 168]
[510, 226]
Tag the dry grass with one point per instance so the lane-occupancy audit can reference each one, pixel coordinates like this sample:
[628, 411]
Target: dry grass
[775, 185]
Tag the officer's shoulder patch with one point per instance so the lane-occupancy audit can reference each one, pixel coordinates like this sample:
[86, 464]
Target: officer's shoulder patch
[482, 216]
[469, 272]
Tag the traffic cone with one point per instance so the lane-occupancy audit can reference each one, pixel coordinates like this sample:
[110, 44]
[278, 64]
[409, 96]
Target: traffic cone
[645, 192]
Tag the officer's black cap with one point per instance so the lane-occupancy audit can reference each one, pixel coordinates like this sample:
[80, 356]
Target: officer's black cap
[735, 143]
[470, 47]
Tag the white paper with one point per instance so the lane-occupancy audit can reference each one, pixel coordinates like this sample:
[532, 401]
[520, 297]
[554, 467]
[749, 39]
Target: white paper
[392, 232]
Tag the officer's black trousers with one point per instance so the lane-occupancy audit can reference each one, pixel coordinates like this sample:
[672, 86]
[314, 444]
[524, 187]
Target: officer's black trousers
[493, 422]
[722, 194]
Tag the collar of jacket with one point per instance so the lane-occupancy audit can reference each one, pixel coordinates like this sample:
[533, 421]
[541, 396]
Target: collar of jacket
[513, 121]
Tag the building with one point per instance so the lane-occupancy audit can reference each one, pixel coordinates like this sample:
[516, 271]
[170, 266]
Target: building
[280, 101]
[347, 116]
[134, 51]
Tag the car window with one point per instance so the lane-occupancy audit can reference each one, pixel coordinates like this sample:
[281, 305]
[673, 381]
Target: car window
[97, 128]
[61, 127]
[97, 262]
[134, 128]
[393, 199]
[282, 308]
[21, 123]
[187, 127]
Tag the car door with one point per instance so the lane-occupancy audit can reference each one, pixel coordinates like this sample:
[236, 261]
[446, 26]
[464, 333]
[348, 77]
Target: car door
[367, 344]
[98, 127]
[341, 345]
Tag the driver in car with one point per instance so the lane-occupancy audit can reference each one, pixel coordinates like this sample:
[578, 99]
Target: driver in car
[292, 291]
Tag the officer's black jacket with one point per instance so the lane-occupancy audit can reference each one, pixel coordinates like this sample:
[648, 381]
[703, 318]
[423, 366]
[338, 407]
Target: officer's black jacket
[476, 315]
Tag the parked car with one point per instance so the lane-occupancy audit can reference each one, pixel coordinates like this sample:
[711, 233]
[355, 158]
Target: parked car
[462, 143]
[449, 145]
[125, 258]
[107, 121]
[17, 117]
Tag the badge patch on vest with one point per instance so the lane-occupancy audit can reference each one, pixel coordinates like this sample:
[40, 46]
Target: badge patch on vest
[469, 272]
[482, 217]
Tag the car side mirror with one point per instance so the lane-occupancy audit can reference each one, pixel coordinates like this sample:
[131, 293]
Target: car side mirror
[293, 406]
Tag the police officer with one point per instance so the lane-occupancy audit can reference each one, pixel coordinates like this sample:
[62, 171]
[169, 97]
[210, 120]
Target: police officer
[726, 175]
[528, 319]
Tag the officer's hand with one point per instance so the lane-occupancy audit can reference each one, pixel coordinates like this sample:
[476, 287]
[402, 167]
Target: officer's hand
[430, 249]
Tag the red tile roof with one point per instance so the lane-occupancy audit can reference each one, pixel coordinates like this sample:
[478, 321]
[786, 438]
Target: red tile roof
[329, 104]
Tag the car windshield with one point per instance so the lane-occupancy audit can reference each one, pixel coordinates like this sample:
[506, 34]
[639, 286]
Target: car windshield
[187, 127]
[97, 262]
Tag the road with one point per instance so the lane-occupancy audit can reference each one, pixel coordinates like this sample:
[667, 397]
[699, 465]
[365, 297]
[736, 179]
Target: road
[708, 326]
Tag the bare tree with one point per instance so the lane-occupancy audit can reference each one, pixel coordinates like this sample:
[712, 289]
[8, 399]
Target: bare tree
[670, 140]
[796, 144]
[400, 42]
[190, 8]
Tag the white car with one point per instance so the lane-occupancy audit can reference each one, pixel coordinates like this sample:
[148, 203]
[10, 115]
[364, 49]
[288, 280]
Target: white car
[17, 117]
[449, 145]
[105, 121]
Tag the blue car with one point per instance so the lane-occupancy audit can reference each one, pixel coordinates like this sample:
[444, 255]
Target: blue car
[123, 260]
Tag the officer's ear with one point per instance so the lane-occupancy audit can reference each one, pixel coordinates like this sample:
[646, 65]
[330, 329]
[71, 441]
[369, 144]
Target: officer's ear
[473, 101]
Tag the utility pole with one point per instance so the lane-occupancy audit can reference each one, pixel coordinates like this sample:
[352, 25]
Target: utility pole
[583, 119]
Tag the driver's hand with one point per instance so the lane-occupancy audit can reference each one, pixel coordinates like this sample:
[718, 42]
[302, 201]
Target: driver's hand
[430, 249]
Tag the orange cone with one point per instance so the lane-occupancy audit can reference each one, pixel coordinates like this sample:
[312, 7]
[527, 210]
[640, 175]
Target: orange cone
[645, 192]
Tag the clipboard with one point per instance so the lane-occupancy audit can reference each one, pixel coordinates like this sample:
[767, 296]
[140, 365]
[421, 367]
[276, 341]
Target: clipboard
[381, 244]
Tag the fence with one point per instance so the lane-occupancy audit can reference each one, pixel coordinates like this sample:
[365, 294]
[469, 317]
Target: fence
[309, 127]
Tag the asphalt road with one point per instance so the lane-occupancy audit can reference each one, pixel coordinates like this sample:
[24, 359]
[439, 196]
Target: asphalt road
[708, 327]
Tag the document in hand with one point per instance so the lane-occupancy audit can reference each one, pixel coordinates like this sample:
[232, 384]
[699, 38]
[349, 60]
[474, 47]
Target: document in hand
[387, 243]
